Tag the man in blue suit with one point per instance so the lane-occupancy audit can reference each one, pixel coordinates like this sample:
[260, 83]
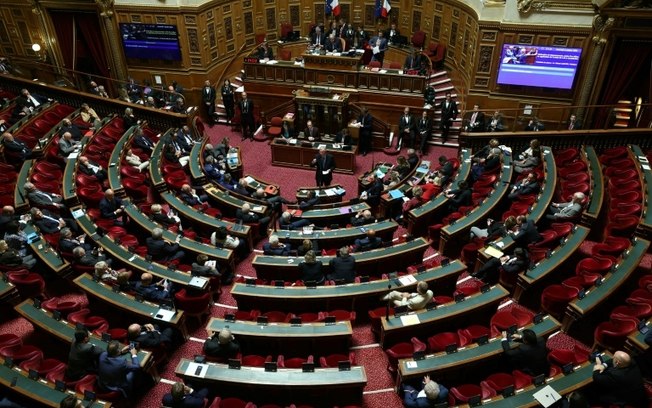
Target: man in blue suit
[116, 373]
[182, 396]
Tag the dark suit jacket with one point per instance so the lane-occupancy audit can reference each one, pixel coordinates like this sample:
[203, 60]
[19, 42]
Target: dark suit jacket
[82, 359]
[345, 140]
[208, 97]
[112, 372]
[314, 132]
[108, 207]
[365, 244]
[248, 218]
[322, 39]
[143, 142]
[446, 172]
[478, 125]
[249, 108]
[213, 348]
[163, 219]
[311, 272]
[151, 292]
[283, 251]
[67, 245]
[128, 121]
[153, 339]
[527, 234]
[424, 128]
[47, 226]
[406, 124]
[335, 46]
[529, 188]
[192, 400]
[460, 198]
[342, 268]
[532, 359]
[73, 130]
[159, 249]
[322, 164]
[17, 147]
[374, 192]
[100, 174]
[448, 111]
[620, 386]
[189, 199]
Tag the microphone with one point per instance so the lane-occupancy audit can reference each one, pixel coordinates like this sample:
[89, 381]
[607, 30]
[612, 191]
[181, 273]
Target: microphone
[389, 288]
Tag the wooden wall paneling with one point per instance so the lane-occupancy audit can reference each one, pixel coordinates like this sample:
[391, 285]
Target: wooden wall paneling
[436, 27]
[369, 16]
[319, 12]
[345, 11]
[270, 18]
[416, 23]
[295, 16]
[395, 83]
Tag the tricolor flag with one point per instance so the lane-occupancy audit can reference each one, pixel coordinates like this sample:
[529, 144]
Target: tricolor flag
[382, 8]
[333, 7]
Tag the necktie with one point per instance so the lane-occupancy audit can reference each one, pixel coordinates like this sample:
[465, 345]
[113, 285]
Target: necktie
[473, 118]
[571, 126]
[245, 106]
[45, 195]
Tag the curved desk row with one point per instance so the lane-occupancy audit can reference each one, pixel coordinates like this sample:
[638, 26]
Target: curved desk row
[337, 237]
[115, 161]
[8, 292]
[644, 228]
[388, 203]
[591, 214]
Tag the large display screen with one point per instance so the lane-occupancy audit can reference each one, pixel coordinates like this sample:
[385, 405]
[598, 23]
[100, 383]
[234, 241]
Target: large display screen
[153, 41]
[531, 65]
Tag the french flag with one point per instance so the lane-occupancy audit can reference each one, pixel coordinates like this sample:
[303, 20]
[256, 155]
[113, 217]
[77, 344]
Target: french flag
[333, 7]
[382, 8]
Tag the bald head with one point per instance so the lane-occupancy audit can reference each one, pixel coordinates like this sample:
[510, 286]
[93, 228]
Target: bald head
[622, 359]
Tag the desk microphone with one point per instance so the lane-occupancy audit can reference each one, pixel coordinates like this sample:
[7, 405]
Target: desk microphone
[389, 289]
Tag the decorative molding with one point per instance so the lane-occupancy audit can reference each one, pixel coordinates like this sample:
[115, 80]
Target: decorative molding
[485, 58]
[416, 20]
[525, 39]
[226, 8]
[295, 16]
[436, 27]
[228, 28]
[249, 22]
[560, 41]
[452, 41]
[195, 61]
[488, 35]
[106, 8]
[188, 18]
[482, 82]
[601, 27]
[526, 6]
[163, 20]
[212, 39]
[270, 14]
[193, 40]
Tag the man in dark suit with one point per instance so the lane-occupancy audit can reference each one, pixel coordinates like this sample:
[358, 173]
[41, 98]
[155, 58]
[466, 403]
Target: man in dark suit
[161, 250]
[311, 200]
[343, 266]
[534, 125]
[378, 46]
[115, 373]
[247, 117]
[528, 185]
[67, 243]
[264, 51]
[461, 196]
[149, 336]
[151, 291]
[42, 199]
[16, 147]
[347, 32]
[92, 168]
[81, 257]
[184, 138]
[525, 232]
[318, 39]
[412, 61]
[190, 196]
[371, 241]
[360, 38]
[182, 396]
[143, 142]
[365, 121]
[333, 44]
[68, 127]
[476, 120]
[445, 170]
[208, 96]
[49, 223]
[618, 382]
[406, 128]
[324, 164]
[83, 356]
[392, 34]
[372, 194]
[8, 215]
[312, 132]
[531, 355]
[574, 123]
[200, 267]
[424, 127]
[112, 208]
[448, 114]
[28, 100]
[222, 345]
[248, 217]
[511, 264]
[275, 247]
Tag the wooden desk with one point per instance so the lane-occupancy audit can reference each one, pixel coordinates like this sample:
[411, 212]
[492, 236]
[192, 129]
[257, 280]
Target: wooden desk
[8, 292]
[318, 339]
[229, 203]
[46, 253]
[353, 296]
[456, 365]
[394, 331]
[317, 61]
[613, 281]
[21, 204]
[324, 198]
[636, 341]
[156, 160]
[644, 228]
[335, 238]
[391, 207]
[115, 162]
[325, 217]
[287, 385]
[300, 156]
[374, 262]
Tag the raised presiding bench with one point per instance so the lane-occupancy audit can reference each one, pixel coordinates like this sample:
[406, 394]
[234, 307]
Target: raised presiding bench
[444, 364]
[397, 329]
[287, 385]
[301, 153]
[315, 338]
[374, 262]
[353, 296]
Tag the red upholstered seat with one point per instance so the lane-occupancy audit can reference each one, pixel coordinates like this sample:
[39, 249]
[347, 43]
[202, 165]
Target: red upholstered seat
[65, 307]
[90, 384]
[418, 39]
[28, 285]
[332, 360]
[275, 127]
[340, 315]
[612, 334]
[500, 381]
[194, 306]
[253, 360]
[295, 362]
[462, 393]
[20, 352]
[555, 298]
[403, 350]
[440, 341]
[41, 365]
[9, 339]
[611, 246]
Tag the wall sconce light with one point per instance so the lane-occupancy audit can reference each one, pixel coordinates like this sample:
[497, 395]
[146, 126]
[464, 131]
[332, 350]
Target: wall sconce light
[36, 48]
[39, 52]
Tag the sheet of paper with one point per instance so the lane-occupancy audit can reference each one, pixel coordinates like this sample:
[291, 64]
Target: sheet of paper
[547, 396]
[197, 370]
[407, 279]
[376, 50]
[491, 251]
[165, 315]
[409, 320]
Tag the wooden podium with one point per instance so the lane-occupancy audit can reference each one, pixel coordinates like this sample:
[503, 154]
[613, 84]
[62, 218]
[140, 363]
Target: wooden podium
[327, 109]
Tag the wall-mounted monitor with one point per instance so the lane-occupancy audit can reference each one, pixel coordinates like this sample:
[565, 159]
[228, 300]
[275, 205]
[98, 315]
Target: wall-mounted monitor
[151, 41]
[540, 66]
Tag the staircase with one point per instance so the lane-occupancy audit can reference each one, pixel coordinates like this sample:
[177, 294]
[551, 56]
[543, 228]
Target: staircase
[623, 114]
[220, 112]
[442, 84]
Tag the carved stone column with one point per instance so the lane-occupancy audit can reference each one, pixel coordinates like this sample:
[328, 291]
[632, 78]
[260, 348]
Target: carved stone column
[601, 27]
[115, 59]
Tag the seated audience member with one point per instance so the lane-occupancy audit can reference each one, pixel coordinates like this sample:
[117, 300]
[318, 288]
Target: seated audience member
[311, 132]
[242, 187]
[534, 145]
[307, 245]
[200, 267]
[372, 194]
[343, 137]
[143, 142]
[16, 238]
[221, 238]
[89, 117]
[11, 258]
[534, 125]
[414, 301]
[190, 196]
[226, 182]
[392, 180]
[104, 272]
[618, 383]
[525, 232]
[287, 222]
[415, 201]
[7, 215]
[129, 120]
[431, 187]
[311, 200]
[445, 170]
[222, 345]
[528, 164]
[265, 52]
[174, 153]
[371, 241]
[92, 168]
[151, 291]
[166, 220]
[116, 373]
[81, 257]
[574, 123]
[274, 247]
[459, 197]
[67, 144]
[245, 215]
[275, 202]
[286, 131]
[16, 147]
[49, 223]
[431, 393]
[150, 336]
[135, 161]
[112, 208]
[83, 356]
[185, 139]
[211, 170]
[403, 167]
[491, 162]
[513, 264]
[42, 199]
[311, 269]
[182, 396]
[161, 250]
[333, 44]
[123, 281]
[475, 122]
[566, 211]
[222, 149]
[527, 186]
[530, 356]
[496, 123]
[342, 266]
[495, 229]
[484, 152]
[68, 127]
[362, 217]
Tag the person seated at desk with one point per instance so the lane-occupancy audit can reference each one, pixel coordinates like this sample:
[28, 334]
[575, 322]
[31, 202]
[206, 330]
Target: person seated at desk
[372, 194]
[92, 168]
[618, 383]
[333, 44]
[535, 144]
[150, 336]
[391, 180]
[431, 187]
[414, 301]
[475, 122]
[189, 196]
[221, 239]
[143, 142]
[495, 229]
[412, 161]
[311, 132]
[512, 264]
[182, 396]
[174, 153]
[227, 182]
[42, 199]
[459, 197]
[527, 186]
[311, 200]
[116, 373]
[83, 356]
[574, 123]
[342, 266]
[166, 220]
[264, 51]
[491, 162]
[392, 34]
[67, 145]
[496, 123]
[245, 215]
[413, 60]
[429, 394]
[275, 202]
[81, 257]
[378, 46]
[287, 222]
[566, 211]
[361, 218]
[274, 247]
[531, 355]
[104, 272]
[242, 187]
[222, 345]
[445, 170]
[112, 208]
[11, 258]
[343, 137]
[485, 151]
[153, 292]
[68, 127]
[360, 38]
[160, 250]
[49, 223]
[307, 245]
[371, 241]
[311, 269]
[414, 202]
[135, 161]
[89, 117]
[318, 38]
[200, 268]
[534, 125]
[286, 131]
[7, 215]
[529, 163]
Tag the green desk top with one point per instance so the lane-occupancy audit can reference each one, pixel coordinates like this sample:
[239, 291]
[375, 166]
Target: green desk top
[462, 173]
[155, 160]
[372, 288]
[637, 339]
[20, 199]
[64, 330]
[335, 212]
[5, 289]
[132, 259]
[284, 377]
[597, 182]
[447, 310]
[45, 252]
[646, 171]
[69, 184]
[194, 165]
[122, 300]
[612, 280]
[350, 234]
[230, 200]
[285, 330]
[116, 158]
[487, 205]
[409, 368]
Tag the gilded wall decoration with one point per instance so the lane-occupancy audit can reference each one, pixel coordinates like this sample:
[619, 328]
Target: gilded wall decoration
[228, 28]
[135, 18]
[489, 35]
[456, 13]
[418, 3]
[345, 11]
[295, 16]
[416, 20]
[231, 47]
[209, 15]
[226, 8]
[193, 40]
[195, 61]
[249, 22]
[190, 20]
[214, 55]
[482, 82]
[466, 41]
[560, 41]
[525, 39]
[436, 27]
[4, 37]
[246, 3]
[270, 15]
[452, 41]
[439, 7]
[17, 12]
[320, 10]
[24, 32]
[484, 59]
[163, 20]
[212, 40]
